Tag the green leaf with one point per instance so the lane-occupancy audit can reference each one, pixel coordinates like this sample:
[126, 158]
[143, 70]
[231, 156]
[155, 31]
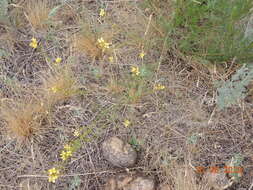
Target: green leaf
[75, 182]
[3, 8]
[3, 53]
[4, 11]
[193, 139]
[134, 142]
[54, 11]
[145, 72]
[96, 71]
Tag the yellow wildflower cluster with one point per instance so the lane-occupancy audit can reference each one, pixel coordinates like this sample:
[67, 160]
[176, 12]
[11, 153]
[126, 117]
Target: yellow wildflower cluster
[76, 133]
[54, 89]
[34, 43]
[159, 87]
[102, 13]
[142, 54]
[111, 59]
[126, 123]
[58, 60]
[66, 153]
[53, 174]
[103, 44]
[135, 70]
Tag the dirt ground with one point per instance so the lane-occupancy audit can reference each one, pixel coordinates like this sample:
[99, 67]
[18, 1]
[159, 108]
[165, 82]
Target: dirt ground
[180, 123]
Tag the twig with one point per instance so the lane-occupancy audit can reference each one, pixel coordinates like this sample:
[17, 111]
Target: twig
[161, 57]
[80, 174]
[149, 21]
[211, 117]
[71, 175]
[5, 146]
[251, 186]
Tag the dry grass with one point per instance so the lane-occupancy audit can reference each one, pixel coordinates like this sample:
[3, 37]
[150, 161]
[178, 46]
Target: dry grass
[23, 119]
[37, 13]
[114, 87]
[67, 15]
[184, 178]
[86, 43]
[8, 38]
[58, 85]
[165, 124]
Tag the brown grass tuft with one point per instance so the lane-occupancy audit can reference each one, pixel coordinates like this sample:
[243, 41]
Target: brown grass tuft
[58, 85]
[87, 43]
[37, 13]
[22, 119]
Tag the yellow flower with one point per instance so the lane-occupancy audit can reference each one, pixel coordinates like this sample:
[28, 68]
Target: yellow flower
[159, 87]
[126, 123]
[53, 174]
[58, 60]
[65, 154]
[111, 59]
[76, 133]
[54, 89]
[34, 43]
[114, 25]
[102, 12]
[135, 70]
[67, 147]
[103, 44]
[142, 54]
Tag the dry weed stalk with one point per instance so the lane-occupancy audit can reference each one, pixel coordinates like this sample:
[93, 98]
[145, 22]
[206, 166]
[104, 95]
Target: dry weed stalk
[184, 178]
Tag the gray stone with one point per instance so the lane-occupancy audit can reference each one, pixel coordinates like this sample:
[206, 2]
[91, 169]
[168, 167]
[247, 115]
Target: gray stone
[119, 153]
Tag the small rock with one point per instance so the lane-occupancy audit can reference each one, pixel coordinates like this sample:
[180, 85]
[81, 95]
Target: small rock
[130, 182]
[141, 183]
[219, 180]
[119, 153]
[124, 180]
[111, 184]
[164, 187]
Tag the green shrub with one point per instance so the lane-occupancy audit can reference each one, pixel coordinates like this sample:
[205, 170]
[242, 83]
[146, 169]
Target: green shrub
[233, 90]
[213, 29]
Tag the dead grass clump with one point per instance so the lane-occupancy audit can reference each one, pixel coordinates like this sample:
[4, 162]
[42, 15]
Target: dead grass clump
[37, 13]
[87, 43]
[58, 85]
[23, 119]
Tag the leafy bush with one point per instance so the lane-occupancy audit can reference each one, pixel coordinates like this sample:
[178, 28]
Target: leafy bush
[213, 29]
[235, 89]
